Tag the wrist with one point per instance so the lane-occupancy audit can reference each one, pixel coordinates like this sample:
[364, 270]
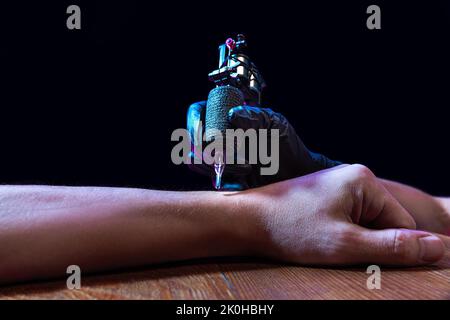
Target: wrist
[241, 226]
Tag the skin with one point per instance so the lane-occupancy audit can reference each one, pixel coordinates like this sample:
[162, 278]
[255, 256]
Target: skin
[338, 216]
[343, 216]
[430, 213]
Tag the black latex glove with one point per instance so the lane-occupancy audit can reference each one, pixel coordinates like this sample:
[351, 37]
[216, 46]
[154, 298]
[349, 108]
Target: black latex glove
[295, 159]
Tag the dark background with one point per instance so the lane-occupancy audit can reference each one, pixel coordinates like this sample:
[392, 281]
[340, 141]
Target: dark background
[98, 106]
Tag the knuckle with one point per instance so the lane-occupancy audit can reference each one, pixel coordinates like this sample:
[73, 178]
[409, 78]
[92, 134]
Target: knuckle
[359, 173]
[357, 179]
[344, 238]
[337, 249]
[196, 108]
[235, 111]
[361, 170]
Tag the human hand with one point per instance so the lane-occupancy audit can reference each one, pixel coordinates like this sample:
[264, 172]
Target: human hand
[338, 216]
[295, 159]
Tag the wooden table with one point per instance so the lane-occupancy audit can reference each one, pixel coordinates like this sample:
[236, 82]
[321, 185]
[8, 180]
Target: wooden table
[246, 279]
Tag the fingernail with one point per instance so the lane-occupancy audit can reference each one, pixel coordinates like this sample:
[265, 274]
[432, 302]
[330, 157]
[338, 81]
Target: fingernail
[431, 248]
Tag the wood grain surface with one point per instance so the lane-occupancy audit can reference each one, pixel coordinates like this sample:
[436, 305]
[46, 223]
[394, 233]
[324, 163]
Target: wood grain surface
[246, 279]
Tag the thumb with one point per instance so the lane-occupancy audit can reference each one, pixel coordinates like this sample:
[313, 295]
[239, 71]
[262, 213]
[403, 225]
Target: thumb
[402, 247]
[195, 114]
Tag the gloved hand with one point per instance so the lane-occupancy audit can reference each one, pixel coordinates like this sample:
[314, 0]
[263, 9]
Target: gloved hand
[295, 159]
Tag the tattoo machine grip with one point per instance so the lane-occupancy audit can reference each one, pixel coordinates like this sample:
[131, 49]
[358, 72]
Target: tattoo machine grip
[220, 100]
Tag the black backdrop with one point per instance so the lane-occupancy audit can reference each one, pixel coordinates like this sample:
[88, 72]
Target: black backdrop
[98, 106]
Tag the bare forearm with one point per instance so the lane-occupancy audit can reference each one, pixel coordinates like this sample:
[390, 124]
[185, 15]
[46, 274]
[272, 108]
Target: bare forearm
[45, 229]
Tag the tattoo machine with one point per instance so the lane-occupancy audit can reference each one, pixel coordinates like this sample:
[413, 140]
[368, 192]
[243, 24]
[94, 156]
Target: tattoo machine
[238, 82]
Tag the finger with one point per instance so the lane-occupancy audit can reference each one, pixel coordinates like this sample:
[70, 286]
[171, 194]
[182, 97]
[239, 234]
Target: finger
[195, 114]
[247, 117]
[444, 239]
[393, 215]
[374, 206]
[397, 247]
